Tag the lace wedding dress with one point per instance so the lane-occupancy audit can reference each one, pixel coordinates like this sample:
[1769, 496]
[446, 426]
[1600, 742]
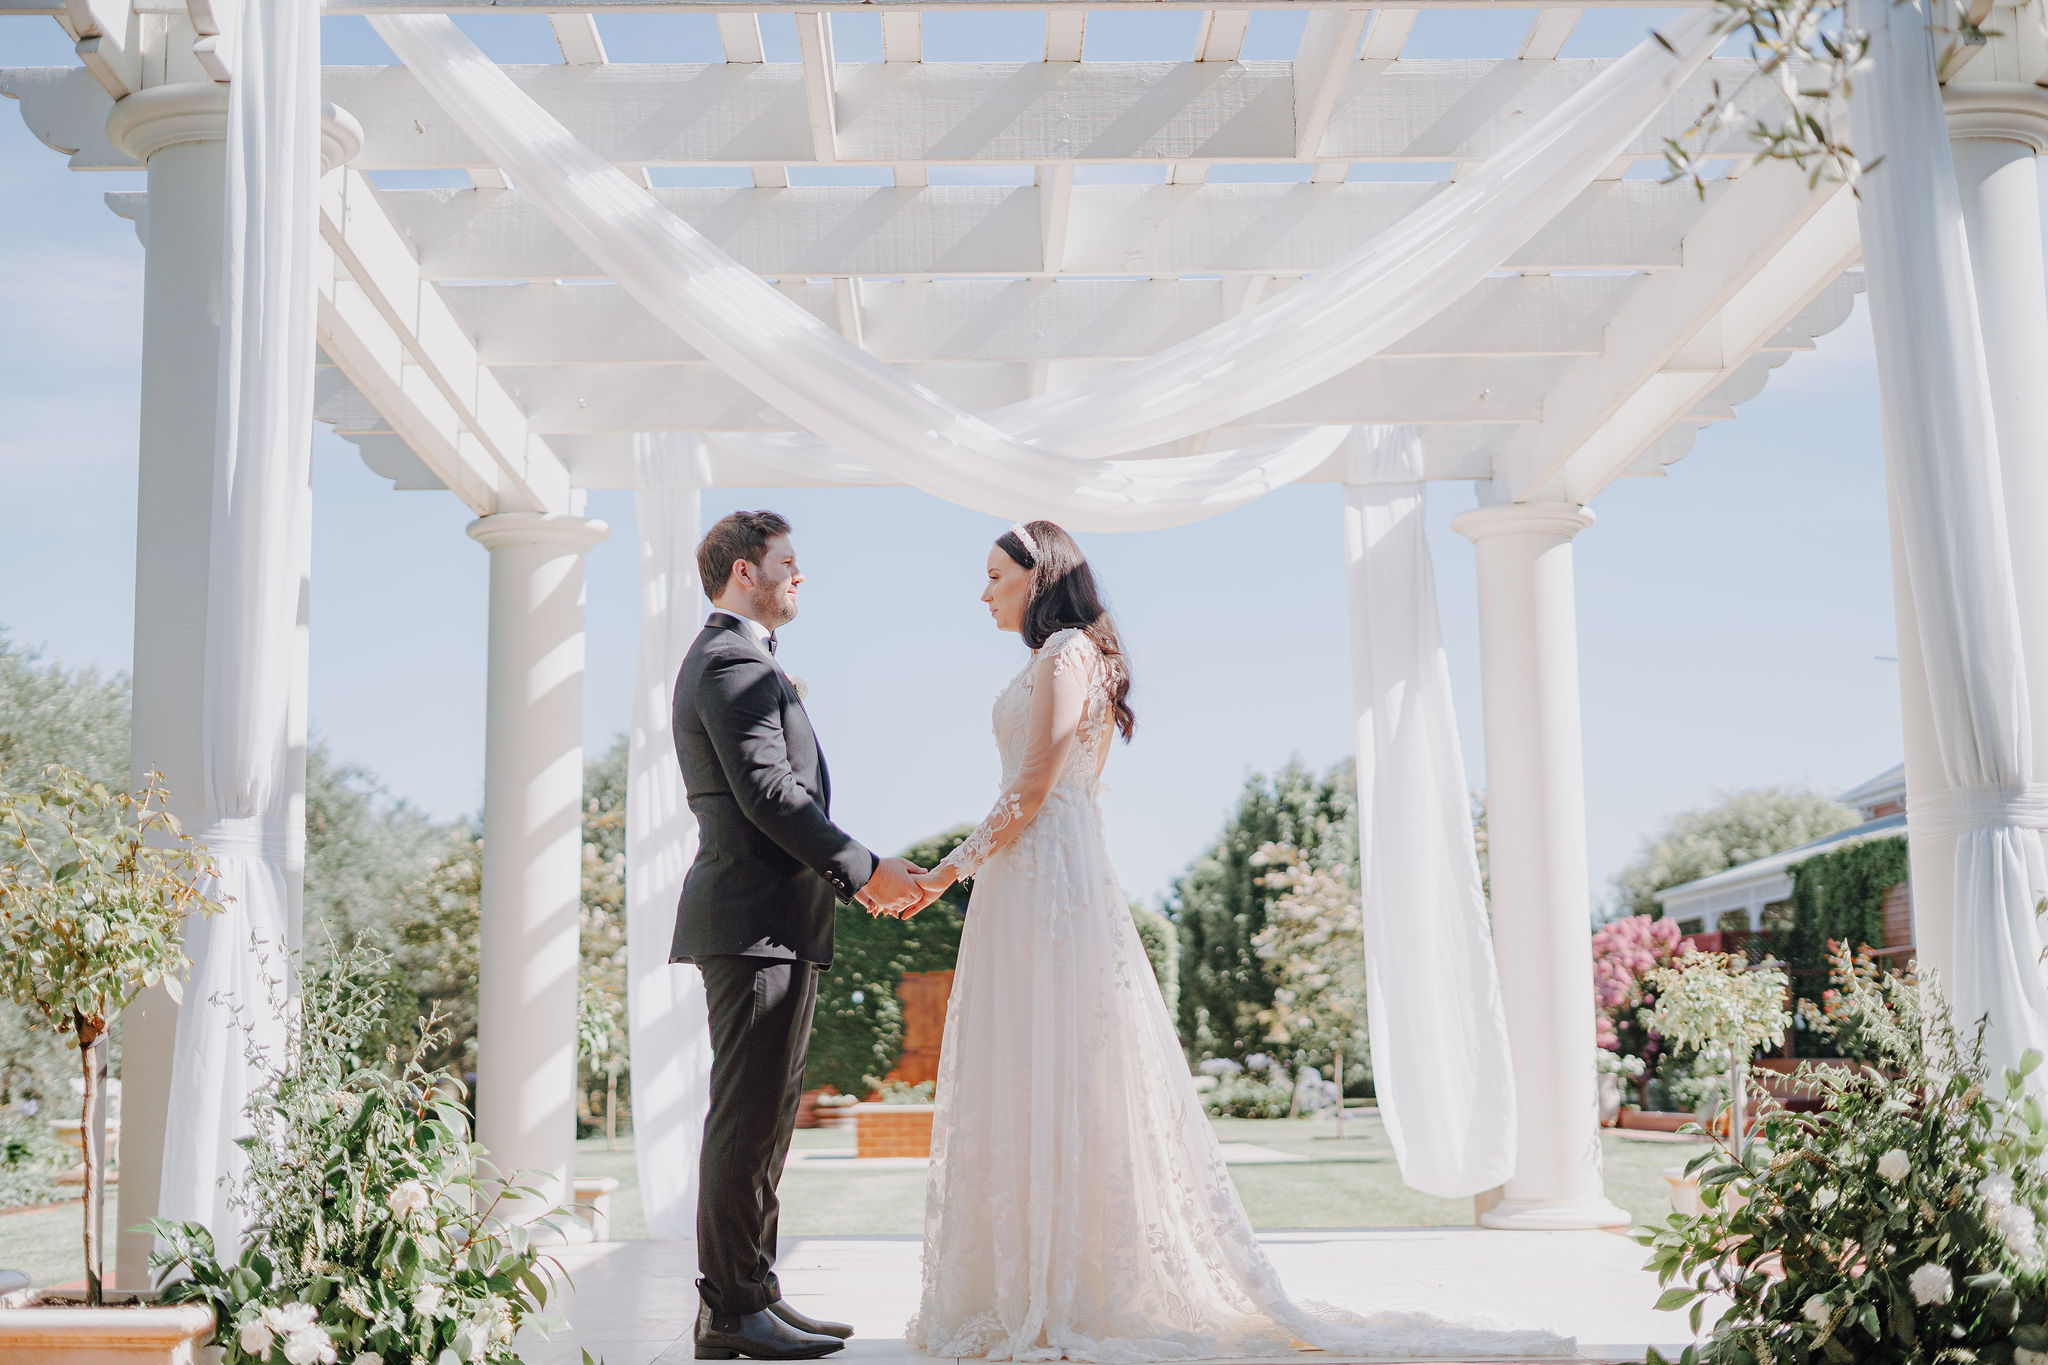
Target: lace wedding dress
[1077, 1205]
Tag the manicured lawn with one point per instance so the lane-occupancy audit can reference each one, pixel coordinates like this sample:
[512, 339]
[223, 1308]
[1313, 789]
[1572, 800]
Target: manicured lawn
[1352, 1182]
[1345, 1183]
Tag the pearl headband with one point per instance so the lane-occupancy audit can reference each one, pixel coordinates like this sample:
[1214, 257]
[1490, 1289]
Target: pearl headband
[1024, 537]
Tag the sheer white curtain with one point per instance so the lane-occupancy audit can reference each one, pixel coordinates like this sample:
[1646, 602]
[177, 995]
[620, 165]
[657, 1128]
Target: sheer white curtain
[1020, 460]
[1439, 1036]
[1941, 454]
[670, 1032]
[253, 817]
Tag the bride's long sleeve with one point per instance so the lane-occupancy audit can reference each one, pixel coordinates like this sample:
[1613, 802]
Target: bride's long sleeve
[1059, 698]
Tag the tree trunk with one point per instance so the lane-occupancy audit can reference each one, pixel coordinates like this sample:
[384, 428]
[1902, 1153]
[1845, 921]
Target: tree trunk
[611, 1111]
[1738, 1083]
[92, 1140]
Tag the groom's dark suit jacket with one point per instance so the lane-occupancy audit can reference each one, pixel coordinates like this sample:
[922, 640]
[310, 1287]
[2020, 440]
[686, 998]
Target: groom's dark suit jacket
[770, 862]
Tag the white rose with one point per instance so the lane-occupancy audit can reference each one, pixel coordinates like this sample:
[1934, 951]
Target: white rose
[471, 1339]
[2022, 1356]
[2016, 1226]
[1824, 1197]
[1894, 1165]
[1816, 1311]
[255, 1338]
[292, 1317]
[309, 1346]
[427, 1302]
[1931, 1284]
[407, 1198]
[1996, 1190]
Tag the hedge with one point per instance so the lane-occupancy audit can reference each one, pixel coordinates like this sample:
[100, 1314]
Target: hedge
[1840, 896]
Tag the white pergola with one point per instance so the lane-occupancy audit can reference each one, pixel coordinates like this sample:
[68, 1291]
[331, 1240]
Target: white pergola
[468, 346]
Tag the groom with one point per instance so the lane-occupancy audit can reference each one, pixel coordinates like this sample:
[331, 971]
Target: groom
[756, 919]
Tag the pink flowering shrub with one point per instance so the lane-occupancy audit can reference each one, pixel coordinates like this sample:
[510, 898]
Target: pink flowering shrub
[1624, 951]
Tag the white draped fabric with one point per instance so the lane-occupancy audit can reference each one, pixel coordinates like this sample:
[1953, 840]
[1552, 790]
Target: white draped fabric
[253, 727]
[1440, 1058]
[1941, 454]
[670, 1035]
[1021, 460]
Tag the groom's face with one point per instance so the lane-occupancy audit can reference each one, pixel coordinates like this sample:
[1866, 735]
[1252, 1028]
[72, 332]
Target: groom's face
[771, 595]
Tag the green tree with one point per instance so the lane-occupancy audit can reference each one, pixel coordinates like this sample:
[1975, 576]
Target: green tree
[1739, 827]
[51, 714]
[363, 850]
[857, 1032]
[1313, 946]
[1220, 902]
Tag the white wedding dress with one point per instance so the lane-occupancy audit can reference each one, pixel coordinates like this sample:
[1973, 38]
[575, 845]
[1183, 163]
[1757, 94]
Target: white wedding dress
[1078, 1206]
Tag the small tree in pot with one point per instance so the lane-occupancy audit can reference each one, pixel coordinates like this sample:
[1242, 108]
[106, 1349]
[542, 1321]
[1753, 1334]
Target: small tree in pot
[1717, 999]
[95, 886]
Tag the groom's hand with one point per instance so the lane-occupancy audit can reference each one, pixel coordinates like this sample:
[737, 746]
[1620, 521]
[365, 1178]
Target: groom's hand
[890, 888]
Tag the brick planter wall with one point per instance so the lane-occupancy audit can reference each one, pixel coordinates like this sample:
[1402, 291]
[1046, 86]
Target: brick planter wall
[892, 1129]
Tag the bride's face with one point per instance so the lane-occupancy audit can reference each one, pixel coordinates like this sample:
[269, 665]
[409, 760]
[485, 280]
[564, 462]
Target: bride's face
[1008, 591]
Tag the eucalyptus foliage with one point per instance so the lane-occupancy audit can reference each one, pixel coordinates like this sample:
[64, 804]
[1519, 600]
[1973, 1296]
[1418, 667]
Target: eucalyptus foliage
[95, 885]
[1899, 1222]
[1808, 53]
[373, 1222]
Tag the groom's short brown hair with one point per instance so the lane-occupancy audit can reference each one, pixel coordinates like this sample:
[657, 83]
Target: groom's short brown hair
[740, 535]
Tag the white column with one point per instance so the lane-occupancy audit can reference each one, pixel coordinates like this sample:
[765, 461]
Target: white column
[1536, 841]
[179, 131]
[1996, 132]
[533, 846]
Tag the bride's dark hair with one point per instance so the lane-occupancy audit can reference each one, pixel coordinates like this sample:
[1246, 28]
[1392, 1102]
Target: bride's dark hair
[1064, 596]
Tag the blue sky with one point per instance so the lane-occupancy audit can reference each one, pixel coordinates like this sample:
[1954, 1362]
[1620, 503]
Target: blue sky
[1735, 616]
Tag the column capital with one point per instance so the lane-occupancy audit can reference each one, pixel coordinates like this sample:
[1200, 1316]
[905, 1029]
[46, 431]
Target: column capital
[552, 530]
[1560, 519]
[1999, 111]
[146, 122]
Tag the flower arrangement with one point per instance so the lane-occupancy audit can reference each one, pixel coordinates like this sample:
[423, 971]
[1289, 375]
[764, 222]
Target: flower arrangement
[1900, 1222]
[1708, 1000]
[371, 1238]
[899, 1092]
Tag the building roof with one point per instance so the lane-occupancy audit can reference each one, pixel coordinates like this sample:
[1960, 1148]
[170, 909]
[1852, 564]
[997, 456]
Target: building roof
[1887, 786]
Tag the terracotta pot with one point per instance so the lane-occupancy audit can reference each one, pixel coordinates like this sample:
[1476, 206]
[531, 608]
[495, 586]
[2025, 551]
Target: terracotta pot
[66, 1333]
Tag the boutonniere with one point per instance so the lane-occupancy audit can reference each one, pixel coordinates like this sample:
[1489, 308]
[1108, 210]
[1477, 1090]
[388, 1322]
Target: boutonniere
[803, 689]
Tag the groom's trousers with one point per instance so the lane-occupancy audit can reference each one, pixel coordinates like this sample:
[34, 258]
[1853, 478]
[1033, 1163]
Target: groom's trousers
[760, 1030]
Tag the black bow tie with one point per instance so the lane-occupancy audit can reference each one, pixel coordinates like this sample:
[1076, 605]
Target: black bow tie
[770, 642]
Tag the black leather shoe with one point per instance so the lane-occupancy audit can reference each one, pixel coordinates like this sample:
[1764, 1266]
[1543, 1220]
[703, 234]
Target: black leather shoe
[759, 1336]
[804, 1323]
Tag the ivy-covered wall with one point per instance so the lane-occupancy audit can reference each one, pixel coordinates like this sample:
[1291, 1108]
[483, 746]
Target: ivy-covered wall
[1840, 896]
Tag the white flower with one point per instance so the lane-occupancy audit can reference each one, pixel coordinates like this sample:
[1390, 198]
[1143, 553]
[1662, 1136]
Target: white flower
[1825, 1197]
[471, 1339]
[255, 1338]
[497, 1317]
[309, 1346]
[2022, 1356]
[293, 1317]
[2016, 1226]
[1816, 1310]
[407, 1198]
[367, 1358]
[1996, 1190]
[427, 1301]
[1931, 1284]
[1894, 1165]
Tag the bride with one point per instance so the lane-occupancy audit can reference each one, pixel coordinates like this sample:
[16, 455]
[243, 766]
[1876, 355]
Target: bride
[1078, 1206]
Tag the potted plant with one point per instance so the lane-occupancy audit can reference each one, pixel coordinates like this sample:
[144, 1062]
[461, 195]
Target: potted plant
[1717, 1004]
[1613, 1068]
[1900, 1221]
[371, 1230]
[95, 886]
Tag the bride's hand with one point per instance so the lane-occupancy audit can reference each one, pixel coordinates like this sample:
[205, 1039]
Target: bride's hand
[931, 885]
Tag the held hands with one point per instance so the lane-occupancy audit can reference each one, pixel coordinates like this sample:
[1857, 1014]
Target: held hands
[892, 890]
[932, 885]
